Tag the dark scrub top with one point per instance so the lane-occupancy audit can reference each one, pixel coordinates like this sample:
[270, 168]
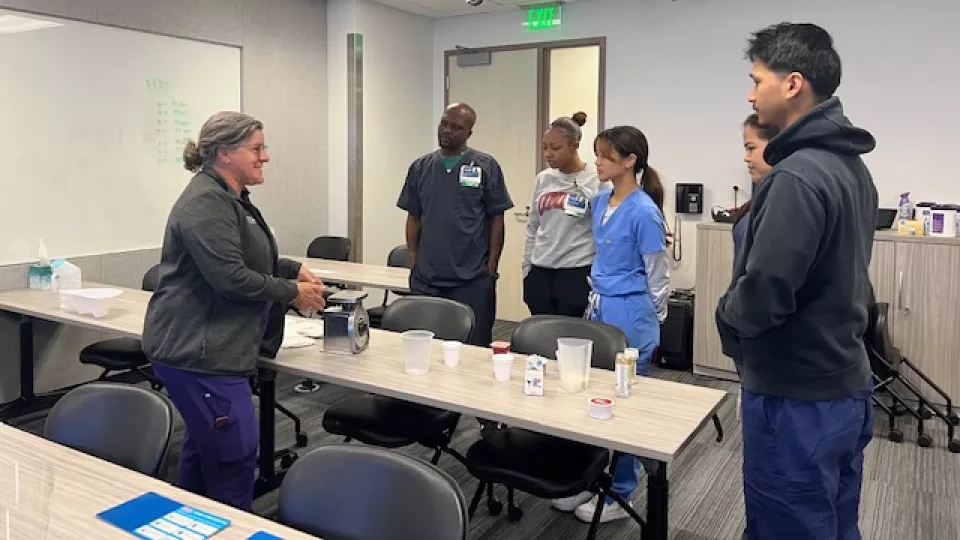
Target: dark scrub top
[454, 219]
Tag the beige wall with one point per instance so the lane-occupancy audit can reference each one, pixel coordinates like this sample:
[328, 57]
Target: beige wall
[575, 86]
[399, 122]
[284, 84]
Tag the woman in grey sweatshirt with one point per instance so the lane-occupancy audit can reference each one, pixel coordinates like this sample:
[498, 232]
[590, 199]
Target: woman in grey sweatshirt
[559, 248]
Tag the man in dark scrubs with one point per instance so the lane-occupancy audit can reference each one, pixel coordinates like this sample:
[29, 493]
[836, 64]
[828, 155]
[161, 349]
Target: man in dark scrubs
[455, 198]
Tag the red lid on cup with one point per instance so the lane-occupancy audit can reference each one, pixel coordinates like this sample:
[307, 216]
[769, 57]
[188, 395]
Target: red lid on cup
[601, 401]
[500, 347]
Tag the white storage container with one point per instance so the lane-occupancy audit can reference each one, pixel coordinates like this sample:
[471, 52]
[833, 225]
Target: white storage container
[87, 301]
[943, 221]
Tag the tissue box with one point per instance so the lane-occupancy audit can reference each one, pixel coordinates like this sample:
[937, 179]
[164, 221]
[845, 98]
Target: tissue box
[533, 376]
[41, 277]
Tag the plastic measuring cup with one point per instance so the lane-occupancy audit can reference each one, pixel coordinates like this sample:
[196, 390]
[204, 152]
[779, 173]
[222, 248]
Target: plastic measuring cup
[416, 351]
[574, 356]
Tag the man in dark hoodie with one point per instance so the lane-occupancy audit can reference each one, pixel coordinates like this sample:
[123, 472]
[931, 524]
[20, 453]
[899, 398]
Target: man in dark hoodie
[795, 315]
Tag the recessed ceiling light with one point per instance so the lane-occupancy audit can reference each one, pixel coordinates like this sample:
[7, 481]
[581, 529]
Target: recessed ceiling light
[10, 24]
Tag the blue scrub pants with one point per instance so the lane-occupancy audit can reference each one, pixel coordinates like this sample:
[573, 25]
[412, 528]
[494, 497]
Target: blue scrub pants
[803, 466]
[636, 316]
[218, 459]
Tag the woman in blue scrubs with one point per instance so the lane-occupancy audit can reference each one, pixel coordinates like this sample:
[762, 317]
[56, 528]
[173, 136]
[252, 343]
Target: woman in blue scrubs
[630, 272]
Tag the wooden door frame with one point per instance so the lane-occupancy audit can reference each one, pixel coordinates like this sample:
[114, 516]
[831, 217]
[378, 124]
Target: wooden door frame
[543, 49]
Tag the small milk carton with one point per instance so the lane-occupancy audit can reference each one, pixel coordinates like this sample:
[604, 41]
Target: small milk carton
[533, 376]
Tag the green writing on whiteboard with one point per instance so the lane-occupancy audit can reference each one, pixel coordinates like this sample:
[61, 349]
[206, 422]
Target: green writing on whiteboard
[157, 85]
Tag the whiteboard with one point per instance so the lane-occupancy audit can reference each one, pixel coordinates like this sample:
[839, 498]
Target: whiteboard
[94, 120]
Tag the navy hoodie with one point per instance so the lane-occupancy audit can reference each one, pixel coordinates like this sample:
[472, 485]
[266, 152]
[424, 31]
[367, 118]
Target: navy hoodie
[795, 314]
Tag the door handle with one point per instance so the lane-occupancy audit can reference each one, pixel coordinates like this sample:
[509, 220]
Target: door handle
[900, 303]
[522, 216]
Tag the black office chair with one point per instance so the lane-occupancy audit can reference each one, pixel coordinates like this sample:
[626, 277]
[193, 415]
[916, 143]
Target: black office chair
[393, 423]
[120, 423]
[398, 258]
[889, 368]
[124, 355]
[366, 493]
[331, 248]
[543, 465]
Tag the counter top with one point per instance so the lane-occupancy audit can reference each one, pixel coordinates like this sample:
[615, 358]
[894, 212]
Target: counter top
[886, 235]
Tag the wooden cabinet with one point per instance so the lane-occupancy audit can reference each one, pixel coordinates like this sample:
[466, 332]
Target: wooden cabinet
[714, 272]
[926, 310]
[918, 277]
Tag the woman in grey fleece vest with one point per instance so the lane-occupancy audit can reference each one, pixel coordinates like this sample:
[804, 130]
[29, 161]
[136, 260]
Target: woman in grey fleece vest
[559, 248]
[220, 275]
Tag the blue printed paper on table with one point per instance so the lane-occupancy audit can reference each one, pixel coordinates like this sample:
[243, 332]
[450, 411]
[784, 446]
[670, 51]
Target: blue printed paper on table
[155, 517]
[264, 536]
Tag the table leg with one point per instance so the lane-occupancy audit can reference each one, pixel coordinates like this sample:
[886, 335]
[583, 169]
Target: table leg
[658, 493]
[269, 477]
[29, 402]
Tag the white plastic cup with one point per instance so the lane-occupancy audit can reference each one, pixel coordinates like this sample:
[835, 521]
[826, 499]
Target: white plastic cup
[502, 366]
[416, 351]
[451, 353]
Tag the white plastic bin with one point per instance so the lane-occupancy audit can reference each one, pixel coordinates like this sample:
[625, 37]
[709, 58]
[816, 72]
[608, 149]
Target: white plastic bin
[87, 301]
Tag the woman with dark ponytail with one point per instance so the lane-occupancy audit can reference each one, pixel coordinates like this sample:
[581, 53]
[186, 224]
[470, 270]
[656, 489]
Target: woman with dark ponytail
[755, 138]
[630, 275]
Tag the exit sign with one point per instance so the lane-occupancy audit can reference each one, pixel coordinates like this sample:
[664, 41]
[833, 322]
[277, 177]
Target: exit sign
[542, 18]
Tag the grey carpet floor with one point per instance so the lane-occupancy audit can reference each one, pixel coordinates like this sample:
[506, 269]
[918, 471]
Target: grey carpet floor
[908, 492]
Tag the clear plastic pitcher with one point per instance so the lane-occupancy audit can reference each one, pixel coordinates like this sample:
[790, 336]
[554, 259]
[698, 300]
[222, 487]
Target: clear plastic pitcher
[574, 357]
[417, 345]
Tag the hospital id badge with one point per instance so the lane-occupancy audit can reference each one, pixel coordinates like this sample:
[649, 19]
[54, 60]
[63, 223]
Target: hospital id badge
[470, 176]
[575, 205]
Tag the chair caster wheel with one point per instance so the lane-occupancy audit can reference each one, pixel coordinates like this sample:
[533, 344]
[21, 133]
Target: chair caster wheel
[287, 461]
[895, 435]
[514, 514]
[954, 419]
[301, 440]
[495, 507]
[925, 413]
[924, 440]
[954, 446]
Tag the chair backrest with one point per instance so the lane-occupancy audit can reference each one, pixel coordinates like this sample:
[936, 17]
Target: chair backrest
[878, 341]
[447, 319]
[399, 257]
[332, 248]
[369, 493]
[151, 280]
[120, 423]
[539, 334]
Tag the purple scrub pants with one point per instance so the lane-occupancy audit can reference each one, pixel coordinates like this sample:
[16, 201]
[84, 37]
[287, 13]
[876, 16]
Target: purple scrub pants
[219, 455]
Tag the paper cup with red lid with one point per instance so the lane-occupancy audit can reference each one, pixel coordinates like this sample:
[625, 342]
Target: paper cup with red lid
[600, 408]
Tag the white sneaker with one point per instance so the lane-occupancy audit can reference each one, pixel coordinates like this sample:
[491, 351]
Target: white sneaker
[569, 504]
[610, 512]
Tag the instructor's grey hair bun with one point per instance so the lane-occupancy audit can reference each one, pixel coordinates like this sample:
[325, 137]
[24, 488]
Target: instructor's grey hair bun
[225, 129]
